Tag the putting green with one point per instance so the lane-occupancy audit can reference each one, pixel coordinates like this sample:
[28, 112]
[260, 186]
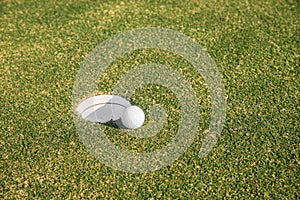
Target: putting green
[255, 45]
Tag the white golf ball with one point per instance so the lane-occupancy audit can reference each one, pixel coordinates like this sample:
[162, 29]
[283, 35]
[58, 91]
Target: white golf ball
[133, 117]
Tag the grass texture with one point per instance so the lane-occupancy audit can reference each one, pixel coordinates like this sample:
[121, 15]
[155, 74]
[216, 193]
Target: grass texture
[255, 45]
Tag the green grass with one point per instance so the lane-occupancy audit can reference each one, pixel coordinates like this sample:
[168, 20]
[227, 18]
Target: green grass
[255, 45]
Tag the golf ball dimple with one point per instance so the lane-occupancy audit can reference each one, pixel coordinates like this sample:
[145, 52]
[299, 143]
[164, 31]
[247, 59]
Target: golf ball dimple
[133, 117]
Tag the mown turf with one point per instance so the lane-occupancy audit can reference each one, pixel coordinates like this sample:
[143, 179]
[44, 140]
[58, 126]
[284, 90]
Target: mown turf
[255, 45]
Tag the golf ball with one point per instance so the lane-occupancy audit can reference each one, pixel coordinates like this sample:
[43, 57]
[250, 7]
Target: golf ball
[133, 117]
